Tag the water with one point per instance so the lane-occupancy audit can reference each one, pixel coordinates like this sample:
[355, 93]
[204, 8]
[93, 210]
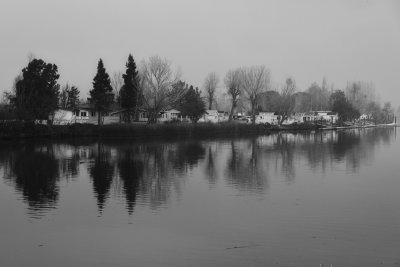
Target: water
[285, 199]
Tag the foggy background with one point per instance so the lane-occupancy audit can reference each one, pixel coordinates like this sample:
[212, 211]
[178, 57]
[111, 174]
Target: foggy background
[341, 40]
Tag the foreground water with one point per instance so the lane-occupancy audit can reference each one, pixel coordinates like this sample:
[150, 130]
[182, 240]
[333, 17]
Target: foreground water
[285, 199]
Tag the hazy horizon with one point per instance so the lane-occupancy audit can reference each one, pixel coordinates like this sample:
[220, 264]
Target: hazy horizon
[308, 40]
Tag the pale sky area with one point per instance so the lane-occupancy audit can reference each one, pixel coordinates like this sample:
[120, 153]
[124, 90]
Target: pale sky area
[341, 40]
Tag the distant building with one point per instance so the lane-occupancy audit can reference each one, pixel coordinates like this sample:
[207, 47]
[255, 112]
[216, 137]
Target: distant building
[210, 116]
[312, 116]
[169, 115]
[86, 113]
[328, 116]
[63, 117]
[267, 117]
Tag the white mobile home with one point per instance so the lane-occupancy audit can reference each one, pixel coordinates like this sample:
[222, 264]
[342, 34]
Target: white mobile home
[267, 117]
[210, 116]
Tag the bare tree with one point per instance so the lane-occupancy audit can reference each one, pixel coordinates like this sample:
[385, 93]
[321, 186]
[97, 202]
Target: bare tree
[210, 85]
[255, 80]
[158, 90]
[233, 86]
[116, 83]
[287, 102]
[360, 94]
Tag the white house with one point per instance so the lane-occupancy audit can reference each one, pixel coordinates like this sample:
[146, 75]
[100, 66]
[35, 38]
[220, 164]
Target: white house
[63, 117]
[267, 117]
[169, 115]
[210, 116]
[328, 116]
[86, 113]
[312, 116]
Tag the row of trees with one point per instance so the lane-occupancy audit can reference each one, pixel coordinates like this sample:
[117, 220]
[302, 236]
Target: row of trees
[155, 86]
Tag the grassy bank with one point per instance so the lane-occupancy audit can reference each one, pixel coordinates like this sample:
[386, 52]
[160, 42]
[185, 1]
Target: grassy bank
[17, 130]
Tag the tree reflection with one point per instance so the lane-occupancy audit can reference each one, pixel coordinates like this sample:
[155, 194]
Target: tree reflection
[286, 147]
[150, 173]
[35, 173]
[131, 174]
[210, 168]
[187, 155]
[101, 172]
[244, 169]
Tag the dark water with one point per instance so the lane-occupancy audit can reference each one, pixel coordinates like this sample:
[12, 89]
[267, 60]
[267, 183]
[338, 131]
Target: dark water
[279, 200]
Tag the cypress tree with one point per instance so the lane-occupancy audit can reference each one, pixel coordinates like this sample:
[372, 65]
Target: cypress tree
[101, 95]
[129, 91]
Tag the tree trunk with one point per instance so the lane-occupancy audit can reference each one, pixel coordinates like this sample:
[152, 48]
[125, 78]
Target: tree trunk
[210, 104]
[129, 116]
[98, 118]
[232, 110]
[253, 112]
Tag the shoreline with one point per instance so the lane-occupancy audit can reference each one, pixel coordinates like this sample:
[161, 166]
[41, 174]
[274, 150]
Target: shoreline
[17, 131]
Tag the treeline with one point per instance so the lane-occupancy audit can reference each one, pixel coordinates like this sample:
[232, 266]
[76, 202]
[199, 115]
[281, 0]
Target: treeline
[155, 86]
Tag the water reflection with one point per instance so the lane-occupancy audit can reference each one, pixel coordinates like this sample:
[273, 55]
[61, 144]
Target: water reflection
[245, 167]
[131, 172]
[148, 173]
[210, 166]
[102, 172]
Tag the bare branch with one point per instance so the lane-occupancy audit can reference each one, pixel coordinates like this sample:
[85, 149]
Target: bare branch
[233, 86]
[255, 80]
[158, 90]
[210, 85]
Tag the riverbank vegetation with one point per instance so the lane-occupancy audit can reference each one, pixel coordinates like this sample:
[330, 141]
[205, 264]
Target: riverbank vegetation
[155, 86]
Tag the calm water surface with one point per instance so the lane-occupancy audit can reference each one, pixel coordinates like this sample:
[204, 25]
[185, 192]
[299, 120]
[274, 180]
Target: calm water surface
[278, 200]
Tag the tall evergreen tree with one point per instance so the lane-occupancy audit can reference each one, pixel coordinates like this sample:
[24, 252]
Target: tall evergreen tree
[192, 105]
[101, 95]
[130, 89]
[36, 93]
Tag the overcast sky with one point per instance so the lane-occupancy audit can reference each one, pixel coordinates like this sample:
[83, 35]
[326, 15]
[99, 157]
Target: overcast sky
[341, 40]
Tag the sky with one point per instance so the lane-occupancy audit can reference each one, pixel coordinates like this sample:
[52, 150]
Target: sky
[342, 40]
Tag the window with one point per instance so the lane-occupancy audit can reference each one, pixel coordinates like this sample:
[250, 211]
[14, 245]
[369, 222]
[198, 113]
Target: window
[93, 113]
[83, 113]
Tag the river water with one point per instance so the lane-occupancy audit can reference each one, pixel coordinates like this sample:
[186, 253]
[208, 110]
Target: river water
[284, 199]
